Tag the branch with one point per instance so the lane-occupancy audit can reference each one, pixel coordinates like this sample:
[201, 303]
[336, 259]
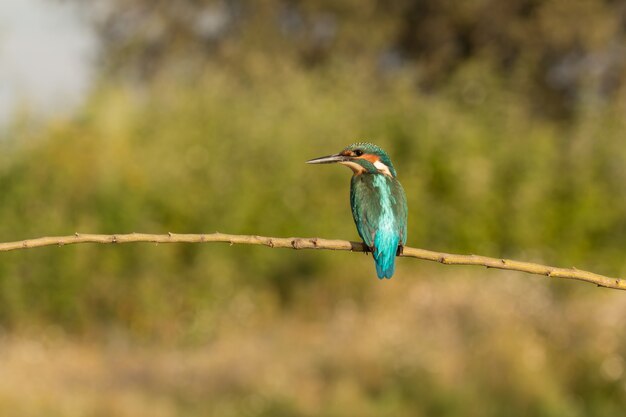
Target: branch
[317, 243]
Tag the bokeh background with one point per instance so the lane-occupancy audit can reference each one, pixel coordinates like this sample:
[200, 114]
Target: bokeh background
[505, 120]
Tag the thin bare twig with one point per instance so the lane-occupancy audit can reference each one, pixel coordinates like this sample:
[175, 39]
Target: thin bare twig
[317, 243]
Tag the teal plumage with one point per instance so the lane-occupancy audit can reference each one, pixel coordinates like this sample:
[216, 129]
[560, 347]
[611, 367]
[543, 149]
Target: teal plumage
[379, 211]
[378, 202]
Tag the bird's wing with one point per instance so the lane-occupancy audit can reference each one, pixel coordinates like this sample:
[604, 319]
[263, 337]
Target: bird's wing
[365, 208]
[400, 210]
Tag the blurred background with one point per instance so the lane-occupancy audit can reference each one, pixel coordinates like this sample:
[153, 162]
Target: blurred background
[505, 121]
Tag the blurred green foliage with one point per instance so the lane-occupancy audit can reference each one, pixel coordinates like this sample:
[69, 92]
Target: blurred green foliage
[215, 139]
[228, 154]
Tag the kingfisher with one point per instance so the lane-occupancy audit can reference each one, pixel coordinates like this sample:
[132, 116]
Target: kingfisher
[378, 202]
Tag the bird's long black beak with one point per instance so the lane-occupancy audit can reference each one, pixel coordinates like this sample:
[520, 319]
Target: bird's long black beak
[328, 159]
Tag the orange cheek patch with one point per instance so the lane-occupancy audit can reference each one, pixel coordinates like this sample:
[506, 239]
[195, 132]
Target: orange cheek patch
[370, 157]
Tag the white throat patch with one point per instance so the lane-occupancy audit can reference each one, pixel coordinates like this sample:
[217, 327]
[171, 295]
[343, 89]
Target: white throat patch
[382, 168]
[358, 169]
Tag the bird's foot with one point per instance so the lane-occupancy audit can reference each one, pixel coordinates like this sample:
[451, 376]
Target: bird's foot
[400, 250]
[367, 249]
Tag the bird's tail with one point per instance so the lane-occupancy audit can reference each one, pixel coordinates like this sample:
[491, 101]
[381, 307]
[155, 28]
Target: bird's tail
[385, 256]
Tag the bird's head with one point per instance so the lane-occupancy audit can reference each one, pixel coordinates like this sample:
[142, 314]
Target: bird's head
[361, 158]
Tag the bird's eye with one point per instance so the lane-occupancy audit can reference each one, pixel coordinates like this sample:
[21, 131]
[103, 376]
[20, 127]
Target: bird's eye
[358, 152]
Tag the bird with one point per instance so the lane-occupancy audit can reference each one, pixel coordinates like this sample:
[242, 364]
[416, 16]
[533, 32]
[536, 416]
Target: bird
[377, 200]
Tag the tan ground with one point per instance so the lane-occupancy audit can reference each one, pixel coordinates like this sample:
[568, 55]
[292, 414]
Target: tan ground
[463, 335]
